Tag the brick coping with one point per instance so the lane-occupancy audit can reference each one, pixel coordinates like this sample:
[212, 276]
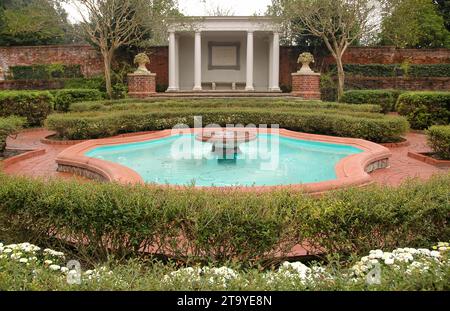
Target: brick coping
[350, 171]
[424, 157]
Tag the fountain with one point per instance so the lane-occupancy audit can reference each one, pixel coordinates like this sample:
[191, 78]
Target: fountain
[225, 143]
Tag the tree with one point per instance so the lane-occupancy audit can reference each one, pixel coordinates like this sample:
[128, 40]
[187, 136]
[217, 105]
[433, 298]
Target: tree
[110, 24]
[413, 24]
[339, 23]
[32, 22]
[443, 7]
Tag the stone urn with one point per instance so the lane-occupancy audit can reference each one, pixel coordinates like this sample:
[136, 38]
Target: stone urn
[305, 59]
[142, 60]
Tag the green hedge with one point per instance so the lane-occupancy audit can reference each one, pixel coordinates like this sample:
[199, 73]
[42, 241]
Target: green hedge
[439, 139]
[8, 126]
[392, 70]
[45, 72]
[387, 99]
[106, 219]
[164, 104]
[64, 98]
[33, 105]
[374, 127]
[85, 83]
[424, 109]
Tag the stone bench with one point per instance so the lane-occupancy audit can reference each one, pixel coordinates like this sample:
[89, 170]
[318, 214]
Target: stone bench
[233, 86]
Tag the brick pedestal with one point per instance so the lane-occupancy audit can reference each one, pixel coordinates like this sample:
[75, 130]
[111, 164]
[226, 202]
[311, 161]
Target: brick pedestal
[141, 86]
[306, 85]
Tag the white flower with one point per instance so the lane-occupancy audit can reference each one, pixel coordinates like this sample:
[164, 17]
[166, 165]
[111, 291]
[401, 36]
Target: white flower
[23, 260]
[374, 261]
[435, 254]
[89, 272]
[48, 262]
[64, 269]
[7, 251]
[389, 261]
[54, 267]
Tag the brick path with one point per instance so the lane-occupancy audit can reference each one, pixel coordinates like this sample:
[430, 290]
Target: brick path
[402, 167]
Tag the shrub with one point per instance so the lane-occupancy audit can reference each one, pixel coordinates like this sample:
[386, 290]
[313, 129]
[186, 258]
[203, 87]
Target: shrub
[387, 99]
[165, 104]
[85, 83]
[8, 126]
[64, 98]
[439, 139]
[33, 105]
[45, 72]
[104, 219]
[424, 109]
[392, 70]
[365, 125]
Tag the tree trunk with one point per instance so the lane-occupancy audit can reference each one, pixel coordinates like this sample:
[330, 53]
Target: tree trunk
[107, 58]
[341, 77]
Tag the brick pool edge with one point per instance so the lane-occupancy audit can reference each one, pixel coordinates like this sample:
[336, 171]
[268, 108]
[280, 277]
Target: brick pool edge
[351, 171]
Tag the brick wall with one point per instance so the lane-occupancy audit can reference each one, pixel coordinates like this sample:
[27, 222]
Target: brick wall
[84, 55]
[91, 62]
[159, 64]
[418, 84]
[392, 55]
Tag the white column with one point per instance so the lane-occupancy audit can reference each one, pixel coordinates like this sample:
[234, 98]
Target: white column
[177, 62]
[270, 62]
[275, 62]
[249, 86]
[172, 63]
[198, 62]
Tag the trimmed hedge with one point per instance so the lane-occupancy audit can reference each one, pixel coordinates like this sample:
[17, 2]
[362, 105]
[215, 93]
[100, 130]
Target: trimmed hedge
[393, 70]
[97, 83]
[424, 109]
[33, 105]
[45, 72]
[374, 127]
[106, 219]
[64, 98]
[387, 99]
[439, 139]
[164, 104]
[8, 126]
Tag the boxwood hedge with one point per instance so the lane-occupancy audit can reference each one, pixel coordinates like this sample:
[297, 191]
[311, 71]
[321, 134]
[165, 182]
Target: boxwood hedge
[106, 219]
[439, 139]
[374, 127]
[65, 97]
[33, 105]
[423, 109]
[387, 99]
[8, 126]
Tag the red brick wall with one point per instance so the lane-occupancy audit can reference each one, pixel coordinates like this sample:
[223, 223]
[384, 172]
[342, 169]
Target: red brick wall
[392, 55]
[159, 64]
[91, 62]
[84, 55]
[416, 84]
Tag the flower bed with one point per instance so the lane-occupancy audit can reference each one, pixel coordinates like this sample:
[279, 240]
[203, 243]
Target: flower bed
[27, 267]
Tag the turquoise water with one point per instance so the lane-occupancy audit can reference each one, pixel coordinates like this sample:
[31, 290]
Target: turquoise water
[267, 161]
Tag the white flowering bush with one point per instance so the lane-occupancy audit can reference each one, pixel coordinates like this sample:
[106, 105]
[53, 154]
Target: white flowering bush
[38, 260]
[28, 267]
[407, 260]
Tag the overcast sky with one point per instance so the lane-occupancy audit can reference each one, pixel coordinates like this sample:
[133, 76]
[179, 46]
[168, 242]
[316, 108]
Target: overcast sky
[199, 8]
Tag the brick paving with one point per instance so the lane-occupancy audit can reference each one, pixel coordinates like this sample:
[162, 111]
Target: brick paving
[401, 166]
